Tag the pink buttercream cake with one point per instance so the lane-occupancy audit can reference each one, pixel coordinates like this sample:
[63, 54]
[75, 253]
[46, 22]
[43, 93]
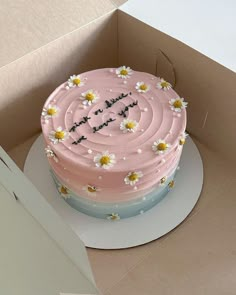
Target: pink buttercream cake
[113, 135]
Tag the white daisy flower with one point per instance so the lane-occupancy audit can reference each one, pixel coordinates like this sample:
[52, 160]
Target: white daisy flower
[182, 138]
[75, 81]
[124, 72]
[178, 104]
[133, 177]
[50, 153]
[90, 190]
[160, 146]
[50, 111]
[104, 160]
[164, 85]
[58, 135]
[142, 87]
[162, 181]
[89, 97]
[63, 191]
[128, 125]
[113, 216]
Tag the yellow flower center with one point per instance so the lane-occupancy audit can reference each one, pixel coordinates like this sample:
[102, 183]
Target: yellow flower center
[90, 96]
[113, 217]
[171, 184]
[163, 179]
[59, 134]
[105, 160]
[164, 84]
[161, 146]
[130, 125]
[133, 177]
[124, 72]
[51, 111]
[182, 141]
[64, 190]
[143, 87]
[76, 81]
[178, 104]
[91, 189]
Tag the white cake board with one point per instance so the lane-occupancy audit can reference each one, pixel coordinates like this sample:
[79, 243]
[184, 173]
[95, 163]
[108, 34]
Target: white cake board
[129, 232]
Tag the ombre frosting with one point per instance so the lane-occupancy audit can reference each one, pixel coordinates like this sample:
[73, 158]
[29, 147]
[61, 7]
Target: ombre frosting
[133, 120]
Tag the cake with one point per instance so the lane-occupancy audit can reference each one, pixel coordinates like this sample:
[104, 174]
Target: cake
[114, 138]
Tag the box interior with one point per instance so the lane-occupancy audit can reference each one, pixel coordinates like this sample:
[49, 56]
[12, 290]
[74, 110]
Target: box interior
[115, 38]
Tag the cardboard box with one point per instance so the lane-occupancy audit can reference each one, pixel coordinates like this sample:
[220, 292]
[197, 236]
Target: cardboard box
[39, 254]
[44, 42]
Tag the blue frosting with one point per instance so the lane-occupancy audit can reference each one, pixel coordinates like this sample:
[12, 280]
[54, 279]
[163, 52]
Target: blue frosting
[119, 209]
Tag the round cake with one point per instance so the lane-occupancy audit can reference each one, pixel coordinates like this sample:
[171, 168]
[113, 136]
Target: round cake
[113, 139]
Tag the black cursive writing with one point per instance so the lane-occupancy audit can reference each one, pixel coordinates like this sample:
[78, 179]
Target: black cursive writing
[77, 124]
[123, 112]
[79, 140]
[95, 129]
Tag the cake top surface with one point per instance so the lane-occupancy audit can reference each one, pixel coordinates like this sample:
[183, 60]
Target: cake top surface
[113, 119]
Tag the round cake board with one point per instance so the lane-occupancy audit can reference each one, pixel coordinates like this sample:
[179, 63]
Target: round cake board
[129, 232]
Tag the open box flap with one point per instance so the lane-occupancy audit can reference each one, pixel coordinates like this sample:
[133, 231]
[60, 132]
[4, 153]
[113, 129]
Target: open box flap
[56, 267]
[28, 25]
[206, 25]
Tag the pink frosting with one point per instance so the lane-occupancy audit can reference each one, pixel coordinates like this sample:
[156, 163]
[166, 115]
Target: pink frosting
[76, 166]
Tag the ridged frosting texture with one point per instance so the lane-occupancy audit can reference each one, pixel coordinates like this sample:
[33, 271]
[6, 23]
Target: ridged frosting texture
[151, 110]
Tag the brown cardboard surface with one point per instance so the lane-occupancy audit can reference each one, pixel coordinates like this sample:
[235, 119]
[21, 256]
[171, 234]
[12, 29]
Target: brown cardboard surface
[209, 88]
[197, 257]
[39, 73]
[27, 25]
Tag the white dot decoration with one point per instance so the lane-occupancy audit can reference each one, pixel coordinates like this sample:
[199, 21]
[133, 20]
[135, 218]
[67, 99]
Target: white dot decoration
[100, 177]
[125, 82]
[71, 112]
[67, 87]
[178, 168]
[85, 78]
[135, 188]
[110, 135]
[84, 107]
[151, 98]
[170, 132]
[110, 90]
[94, 205]
[69, 147]
[142, 130]
[145, 109]
[144, 198]
[139, 151]
[179, 115]
[163, 160]
[141, 212]
[64, 168]
[124, 158]
[116, 206]
[111, 70]
[90, 151]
